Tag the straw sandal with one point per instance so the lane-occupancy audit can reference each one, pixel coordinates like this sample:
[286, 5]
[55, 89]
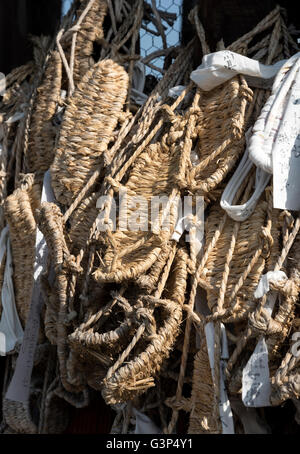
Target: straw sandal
[98, 103]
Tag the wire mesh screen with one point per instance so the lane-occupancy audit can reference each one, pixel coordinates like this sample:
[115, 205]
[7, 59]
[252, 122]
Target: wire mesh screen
[160, 33]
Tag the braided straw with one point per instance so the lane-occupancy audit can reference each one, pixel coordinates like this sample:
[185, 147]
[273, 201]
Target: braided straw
[18, 417]
[202, 402]
[129, 254]
[14, 81]
[240, 44]
[139, 127]
[220, 133]
[19, 208]
[98, 103]
[135, 369]
[105, 333]
[90, 31]
[102, 337]
[288, 291]
[260, 322]
[149, 280]
[42, 132]
[81, 223]
[242, 250]
[286, 383]
[50, 221]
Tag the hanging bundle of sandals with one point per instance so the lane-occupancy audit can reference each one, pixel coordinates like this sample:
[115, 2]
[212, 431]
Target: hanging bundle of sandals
[128, 313]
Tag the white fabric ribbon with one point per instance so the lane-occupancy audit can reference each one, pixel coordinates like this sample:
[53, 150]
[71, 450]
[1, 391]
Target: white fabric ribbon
[11, 331]
[174, 92]
[218, 67]
[266, 126]
[194, 224]
[15, 117]
[274, 147]
[256, 387]
[19, 387]
[275, 143]
[224, 404]
[242, 212]
[263, 285]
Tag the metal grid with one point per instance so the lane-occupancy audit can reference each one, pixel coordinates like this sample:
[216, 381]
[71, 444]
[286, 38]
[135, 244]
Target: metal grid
[150, 36]
[151, 39]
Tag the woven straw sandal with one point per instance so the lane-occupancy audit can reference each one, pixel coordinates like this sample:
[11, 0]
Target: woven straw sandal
[98, 342]
[19, 209]
[104, 334]
[135, 369]
[236, 262]
[42, 131]
[50, 222]
[275, 328]
[130, 254]
[220, 134]
[98, 103]
[286, 380]
[89, 33]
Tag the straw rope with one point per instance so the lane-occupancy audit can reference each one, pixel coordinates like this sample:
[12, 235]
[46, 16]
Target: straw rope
[42, 135]
[19, 210]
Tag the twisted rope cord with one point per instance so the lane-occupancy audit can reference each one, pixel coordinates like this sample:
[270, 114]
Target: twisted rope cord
[244, 338]
[75, 30]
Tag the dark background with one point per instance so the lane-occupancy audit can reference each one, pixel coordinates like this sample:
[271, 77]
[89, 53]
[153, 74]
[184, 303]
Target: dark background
[229, 19]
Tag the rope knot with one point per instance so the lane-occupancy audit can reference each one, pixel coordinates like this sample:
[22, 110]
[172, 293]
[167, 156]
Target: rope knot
[168, 113]
[194, 111]
[247, 93]
[287, 288]
[263, 323]
[144, 315]
[267, 242]
[70, 265]
[123, 303]
[191, 314]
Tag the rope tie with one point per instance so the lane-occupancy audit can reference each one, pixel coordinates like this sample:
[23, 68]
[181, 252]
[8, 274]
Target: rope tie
[263, 323]
[123, 303]
[168, 113]
[267, 242]
[117, 186]
[192, 315]
[288, 288]
[182, 404]
[69, 265]
[145, 316]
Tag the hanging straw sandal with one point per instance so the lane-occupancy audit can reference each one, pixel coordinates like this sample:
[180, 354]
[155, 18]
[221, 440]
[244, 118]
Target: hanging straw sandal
[19, 210]
[98, 103]
[135, 369]
[136, 318]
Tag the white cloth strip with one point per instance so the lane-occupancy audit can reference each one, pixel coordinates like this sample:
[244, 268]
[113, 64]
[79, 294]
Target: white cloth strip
[19, 388]
[256, 386]
[224, 404]
[242, 212]
[11, 331]
[219, 67]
